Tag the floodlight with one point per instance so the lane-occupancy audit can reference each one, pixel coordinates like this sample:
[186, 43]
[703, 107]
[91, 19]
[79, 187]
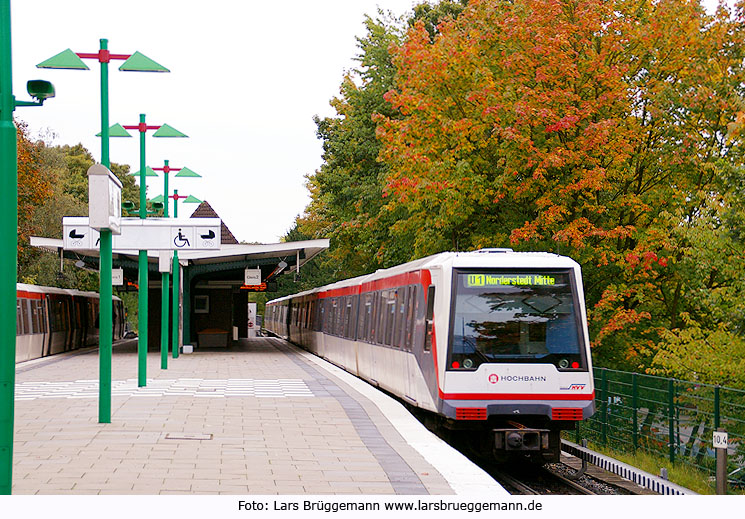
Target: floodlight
[40, 89]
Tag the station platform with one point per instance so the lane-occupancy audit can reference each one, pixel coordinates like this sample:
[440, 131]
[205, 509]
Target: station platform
[261, 417]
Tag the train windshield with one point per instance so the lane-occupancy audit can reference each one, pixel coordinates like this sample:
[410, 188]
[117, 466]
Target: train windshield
[515, 317]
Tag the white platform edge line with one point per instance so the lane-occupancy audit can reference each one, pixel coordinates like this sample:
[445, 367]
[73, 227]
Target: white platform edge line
[463, 476]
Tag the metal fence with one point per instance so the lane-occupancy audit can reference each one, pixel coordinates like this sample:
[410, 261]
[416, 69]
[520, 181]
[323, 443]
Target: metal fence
[670, 417]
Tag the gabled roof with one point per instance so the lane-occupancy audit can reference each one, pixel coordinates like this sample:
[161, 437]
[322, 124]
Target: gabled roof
[205, 211]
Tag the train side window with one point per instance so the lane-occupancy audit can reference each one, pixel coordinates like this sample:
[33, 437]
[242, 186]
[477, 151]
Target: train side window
[380, 317]
[429, 323]
[342, 321]
[352, 332]
[374, 317]
[411, 292]
[35, 318]
[400, 316]
[26, 316]
[390, 320]
[364, 324]
[19, 318]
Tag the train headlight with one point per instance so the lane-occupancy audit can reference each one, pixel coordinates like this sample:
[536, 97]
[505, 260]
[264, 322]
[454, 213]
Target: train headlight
[468, 363]
[564, 363]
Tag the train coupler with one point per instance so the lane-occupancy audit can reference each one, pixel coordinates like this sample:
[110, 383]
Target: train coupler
[521, 439]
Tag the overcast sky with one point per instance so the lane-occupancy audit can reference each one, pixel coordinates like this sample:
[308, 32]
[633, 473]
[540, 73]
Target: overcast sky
[246, 79]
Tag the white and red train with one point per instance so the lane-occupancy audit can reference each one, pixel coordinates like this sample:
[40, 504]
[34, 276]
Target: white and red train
[493, 342]
[55, 320]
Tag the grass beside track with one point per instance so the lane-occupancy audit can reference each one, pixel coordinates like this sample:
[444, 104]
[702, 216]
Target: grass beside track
[682, 475]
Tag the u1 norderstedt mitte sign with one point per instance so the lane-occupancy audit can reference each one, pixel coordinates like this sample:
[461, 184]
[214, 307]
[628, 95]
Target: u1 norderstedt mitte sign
[149, 234]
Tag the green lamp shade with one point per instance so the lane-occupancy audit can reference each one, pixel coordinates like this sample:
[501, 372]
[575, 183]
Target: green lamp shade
[116, 130]
[66, 59]
[138, 62]
[148, 172]
[157, 200]
[168, 131]
[186, 172]
[192, 200]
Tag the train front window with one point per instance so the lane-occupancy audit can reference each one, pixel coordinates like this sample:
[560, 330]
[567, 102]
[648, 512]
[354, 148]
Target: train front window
[515, 317]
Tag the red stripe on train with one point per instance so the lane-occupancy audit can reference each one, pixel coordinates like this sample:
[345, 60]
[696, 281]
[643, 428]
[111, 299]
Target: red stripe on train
[515, 396]
[29, 295]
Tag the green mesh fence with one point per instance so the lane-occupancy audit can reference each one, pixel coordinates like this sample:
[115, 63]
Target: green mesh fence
[669, 417]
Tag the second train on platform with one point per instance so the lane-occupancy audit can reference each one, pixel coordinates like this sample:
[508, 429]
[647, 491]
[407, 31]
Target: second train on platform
[56, 320]
[491, 342]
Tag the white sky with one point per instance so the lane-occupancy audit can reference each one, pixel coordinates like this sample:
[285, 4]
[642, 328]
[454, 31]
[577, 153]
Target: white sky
[246, 79]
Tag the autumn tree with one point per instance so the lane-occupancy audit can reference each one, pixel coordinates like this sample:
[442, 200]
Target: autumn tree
[34, 187]
[591, 128]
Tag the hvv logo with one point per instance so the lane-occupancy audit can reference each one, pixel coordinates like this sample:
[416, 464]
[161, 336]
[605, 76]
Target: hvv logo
[573, 387]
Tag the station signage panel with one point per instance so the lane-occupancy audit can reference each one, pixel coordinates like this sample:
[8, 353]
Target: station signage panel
[252, 277]
[148, 234]
[104, 199]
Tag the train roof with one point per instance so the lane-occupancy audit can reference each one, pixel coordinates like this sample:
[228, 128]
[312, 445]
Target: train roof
[483, 258]
[38, 289]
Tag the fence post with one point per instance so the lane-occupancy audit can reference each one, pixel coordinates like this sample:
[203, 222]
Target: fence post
[634, 405]
[716, 408]
[604, 401]
[671, 417]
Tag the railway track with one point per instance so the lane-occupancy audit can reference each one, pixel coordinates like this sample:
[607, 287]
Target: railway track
[536, 481]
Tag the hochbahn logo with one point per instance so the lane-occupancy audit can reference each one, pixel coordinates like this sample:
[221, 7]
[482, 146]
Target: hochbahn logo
[494, 378]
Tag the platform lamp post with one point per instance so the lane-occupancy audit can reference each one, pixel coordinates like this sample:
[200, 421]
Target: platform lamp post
[165, 276]
[40, 90]
[137, 62]
[176, 272]
[163, 130]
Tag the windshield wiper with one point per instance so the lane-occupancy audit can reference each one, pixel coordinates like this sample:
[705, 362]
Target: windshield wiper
[481, 355]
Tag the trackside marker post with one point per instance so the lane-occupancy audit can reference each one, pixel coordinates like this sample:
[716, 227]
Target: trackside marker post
[720, 442]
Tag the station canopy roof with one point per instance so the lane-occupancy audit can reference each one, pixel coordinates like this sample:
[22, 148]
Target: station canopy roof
[213, 267]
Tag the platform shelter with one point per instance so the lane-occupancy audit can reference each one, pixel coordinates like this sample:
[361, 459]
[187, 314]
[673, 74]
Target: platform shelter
[214, 299]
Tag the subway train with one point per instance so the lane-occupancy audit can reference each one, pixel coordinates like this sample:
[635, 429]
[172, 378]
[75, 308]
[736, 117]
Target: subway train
[54, 320]
[491, 345]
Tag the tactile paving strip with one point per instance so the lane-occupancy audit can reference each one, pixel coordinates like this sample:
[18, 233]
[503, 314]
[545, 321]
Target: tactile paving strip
[193, 387]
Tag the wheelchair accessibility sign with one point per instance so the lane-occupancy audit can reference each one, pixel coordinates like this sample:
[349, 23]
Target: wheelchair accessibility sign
[148, 234]
[183, 237]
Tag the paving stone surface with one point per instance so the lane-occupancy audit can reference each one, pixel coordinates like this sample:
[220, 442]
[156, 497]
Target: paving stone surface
[252, 419]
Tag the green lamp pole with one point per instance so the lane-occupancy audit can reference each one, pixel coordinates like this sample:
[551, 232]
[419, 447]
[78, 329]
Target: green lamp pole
[165, 276]
[176, 275]
[163, 130]
[9, 241]
[68, 59]
[9, 250]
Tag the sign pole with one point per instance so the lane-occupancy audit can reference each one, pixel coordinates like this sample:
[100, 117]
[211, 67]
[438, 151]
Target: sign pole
[176, 281]
[105, 308]
[142, 264]
[165, 278]
[9, 252]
